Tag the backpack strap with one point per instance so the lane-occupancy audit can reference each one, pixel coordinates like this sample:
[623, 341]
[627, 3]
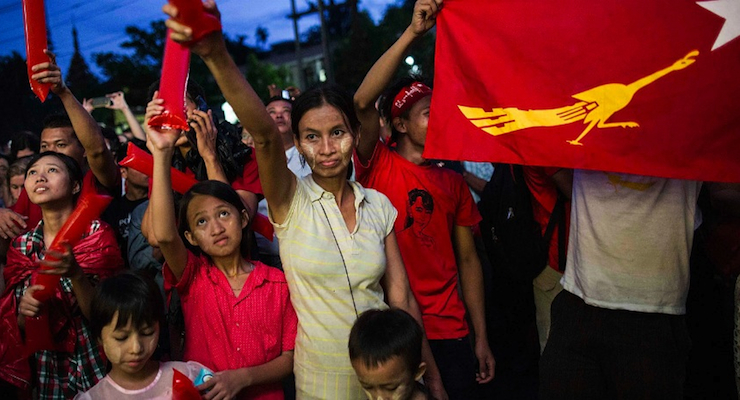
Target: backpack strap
[557, 218]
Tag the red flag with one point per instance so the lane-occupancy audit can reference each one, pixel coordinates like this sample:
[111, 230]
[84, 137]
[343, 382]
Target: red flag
[636, 86]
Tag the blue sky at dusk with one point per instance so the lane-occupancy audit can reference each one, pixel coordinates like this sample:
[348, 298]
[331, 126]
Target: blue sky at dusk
[101, 23]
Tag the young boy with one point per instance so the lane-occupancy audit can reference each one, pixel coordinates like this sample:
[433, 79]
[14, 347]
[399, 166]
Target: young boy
[385, 350]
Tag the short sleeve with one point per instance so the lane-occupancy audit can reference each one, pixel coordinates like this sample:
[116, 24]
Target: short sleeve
[362, 171]
[467, 212]
[82, 396]
[188, 274]
[290, 321]
[389, 212]
[249, 180]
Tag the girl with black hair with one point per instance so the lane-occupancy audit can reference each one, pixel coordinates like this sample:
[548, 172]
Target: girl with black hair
[239, 320]
[126, 314]
[53, 182]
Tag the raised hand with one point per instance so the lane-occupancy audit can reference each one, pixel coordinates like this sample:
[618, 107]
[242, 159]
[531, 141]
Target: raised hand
[425, 16]
[118, 102]
[87, 105]
[205, 131]
[160, 139]
[49, 72]
[184, 34]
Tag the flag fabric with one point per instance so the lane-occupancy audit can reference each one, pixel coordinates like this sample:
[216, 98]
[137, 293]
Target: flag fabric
[648, 87]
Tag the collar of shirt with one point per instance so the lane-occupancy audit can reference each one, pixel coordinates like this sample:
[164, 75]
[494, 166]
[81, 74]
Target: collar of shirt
[317, 192]
[256, 278]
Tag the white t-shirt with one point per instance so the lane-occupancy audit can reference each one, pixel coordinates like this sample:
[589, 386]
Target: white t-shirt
[159, 389]
[630, 241]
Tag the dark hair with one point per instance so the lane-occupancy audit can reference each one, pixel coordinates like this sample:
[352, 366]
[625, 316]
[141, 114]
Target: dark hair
[220, 191]
[278, 98]
[57, 121]
[73, 169]
[379, 335]
[18, 167]
[133, 296]
[426, 200]
[386, 101]
[121, 152]
[325, 95]
[24, 140]
[194, 90]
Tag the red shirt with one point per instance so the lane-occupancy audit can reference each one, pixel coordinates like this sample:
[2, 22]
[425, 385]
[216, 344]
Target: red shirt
[225, 332]
[430, 201]
[544, 196]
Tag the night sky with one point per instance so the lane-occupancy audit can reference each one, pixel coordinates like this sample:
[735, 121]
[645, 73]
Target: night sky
[101, 23]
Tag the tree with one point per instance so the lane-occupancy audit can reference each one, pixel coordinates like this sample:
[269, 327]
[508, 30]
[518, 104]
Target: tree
[81, 81]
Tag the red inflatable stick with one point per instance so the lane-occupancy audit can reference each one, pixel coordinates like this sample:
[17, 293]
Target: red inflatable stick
[192, 14]
[143, 162]
[183, 388]
[34, 23]
[89, 207]
[172, 86]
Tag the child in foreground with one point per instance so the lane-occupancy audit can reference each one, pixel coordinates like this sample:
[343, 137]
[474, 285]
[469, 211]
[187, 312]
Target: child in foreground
[126, 314]
[385, 350]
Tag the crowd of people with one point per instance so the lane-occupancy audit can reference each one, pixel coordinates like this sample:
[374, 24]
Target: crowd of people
[376, 283]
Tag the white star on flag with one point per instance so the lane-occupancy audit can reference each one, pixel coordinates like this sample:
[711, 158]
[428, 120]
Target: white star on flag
[730, 11]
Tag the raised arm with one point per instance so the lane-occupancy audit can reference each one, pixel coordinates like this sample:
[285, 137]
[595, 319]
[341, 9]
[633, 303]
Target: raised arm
[278, 183]
[99, 157]
[380, 75]
[118, 102]
[161, 208]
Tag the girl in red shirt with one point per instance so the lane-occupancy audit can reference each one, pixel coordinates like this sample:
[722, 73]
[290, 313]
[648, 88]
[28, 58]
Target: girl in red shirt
[238, 317]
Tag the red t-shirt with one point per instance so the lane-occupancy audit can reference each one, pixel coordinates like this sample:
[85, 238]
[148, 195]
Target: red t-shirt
[430, 201]
[544, 196]
[226, 332]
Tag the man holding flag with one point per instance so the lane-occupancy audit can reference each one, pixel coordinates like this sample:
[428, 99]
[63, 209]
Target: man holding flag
[646, 89]
[436, 213]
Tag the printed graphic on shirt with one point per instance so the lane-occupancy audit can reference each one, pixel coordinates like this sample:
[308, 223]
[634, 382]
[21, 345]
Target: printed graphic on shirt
[617, 181]
[419, 210]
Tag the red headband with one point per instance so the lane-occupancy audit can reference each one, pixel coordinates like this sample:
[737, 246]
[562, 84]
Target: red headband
[408, 96]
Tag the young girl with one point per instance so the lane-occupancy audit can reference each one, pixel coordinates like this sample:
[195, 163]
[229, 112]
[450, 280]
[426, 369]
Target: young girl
[53, 182]
[126, 315]
[337, 243]
[238, 317]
